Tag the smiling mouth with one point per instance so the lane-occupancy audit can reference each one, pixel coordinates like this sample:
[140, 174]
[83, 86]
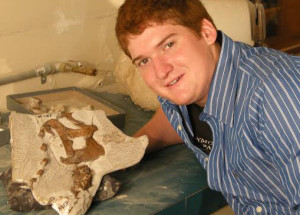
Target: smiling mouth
[174, 81]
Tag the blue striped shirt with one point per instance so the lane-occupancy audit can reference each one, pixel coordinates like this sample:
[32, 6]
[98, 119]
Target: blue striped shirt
[253, 109]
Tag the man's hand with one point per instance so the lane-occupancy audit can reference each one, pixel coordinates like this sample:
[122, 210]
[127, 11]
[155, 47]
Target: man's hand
[159, 131]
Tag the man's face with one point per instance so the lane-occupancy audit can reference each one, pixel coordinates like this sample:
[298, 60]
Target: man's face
[175, 62]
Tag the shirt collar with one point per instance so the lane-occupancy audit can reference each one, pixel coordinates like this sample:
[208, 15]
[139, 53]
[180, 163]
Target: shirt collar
[223, 88]
[164, 101]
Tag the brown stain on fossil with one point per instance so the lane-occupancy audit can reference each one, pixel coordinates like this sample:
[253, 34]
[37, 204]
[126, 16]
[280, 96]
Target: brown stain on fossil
[82, 177]
[43, 147]
[91, 152]
[44, 161]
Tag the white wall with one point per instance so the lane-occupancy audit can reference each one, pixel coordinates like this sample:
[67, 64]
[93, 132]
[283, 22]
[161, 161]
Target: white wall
[36, 32]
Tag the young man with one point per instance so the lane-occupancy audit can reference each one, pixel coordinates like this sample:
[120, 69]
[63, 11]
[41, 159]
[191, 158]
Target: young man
[236, 107]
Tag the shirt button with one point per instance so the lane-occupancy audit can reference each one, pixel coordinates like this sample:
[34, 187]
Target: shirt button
[206, 159]
[179, 127]
[259, 209]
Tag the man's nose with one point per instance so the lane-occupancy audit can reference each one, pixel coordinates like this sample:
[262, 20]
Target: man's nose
[162, 67]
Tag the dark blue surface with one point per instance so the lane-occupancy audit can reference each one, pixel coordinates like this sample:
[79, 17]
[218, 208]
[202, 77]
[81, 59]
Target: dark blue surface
[170, 181]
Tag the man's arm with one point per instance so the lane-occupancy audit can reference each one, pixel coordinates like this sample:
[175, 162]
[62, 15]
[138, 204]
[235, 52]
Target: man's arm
[278, 123]
[159, 131]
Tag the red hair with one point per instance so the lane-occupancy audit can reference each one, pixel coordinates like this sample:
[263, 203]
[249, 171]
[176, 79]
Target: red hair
[134, 16]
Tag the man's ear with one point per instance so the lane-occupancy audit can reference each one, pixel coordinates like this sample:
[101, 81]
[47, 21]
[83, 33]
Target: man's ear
[208, 31]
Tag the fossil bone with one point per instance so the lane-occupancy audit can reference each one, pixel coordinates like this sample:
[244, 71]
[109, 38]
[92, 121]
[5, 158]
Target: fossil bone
[63, 158]
[36, 105]
[89, 153]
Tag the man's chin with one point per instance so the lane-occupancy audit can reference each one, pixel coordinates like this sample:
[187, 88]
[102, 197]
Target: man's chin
[179, 101]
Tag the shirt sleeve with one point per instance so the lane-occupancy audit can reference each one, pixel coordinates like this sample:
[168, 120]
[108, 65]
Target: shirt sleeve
[279, 127]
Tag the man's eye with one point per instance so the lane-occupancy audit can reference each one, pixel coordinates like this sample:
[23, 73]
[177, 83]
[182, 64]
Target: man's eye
[143, 62]
[169, 45]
